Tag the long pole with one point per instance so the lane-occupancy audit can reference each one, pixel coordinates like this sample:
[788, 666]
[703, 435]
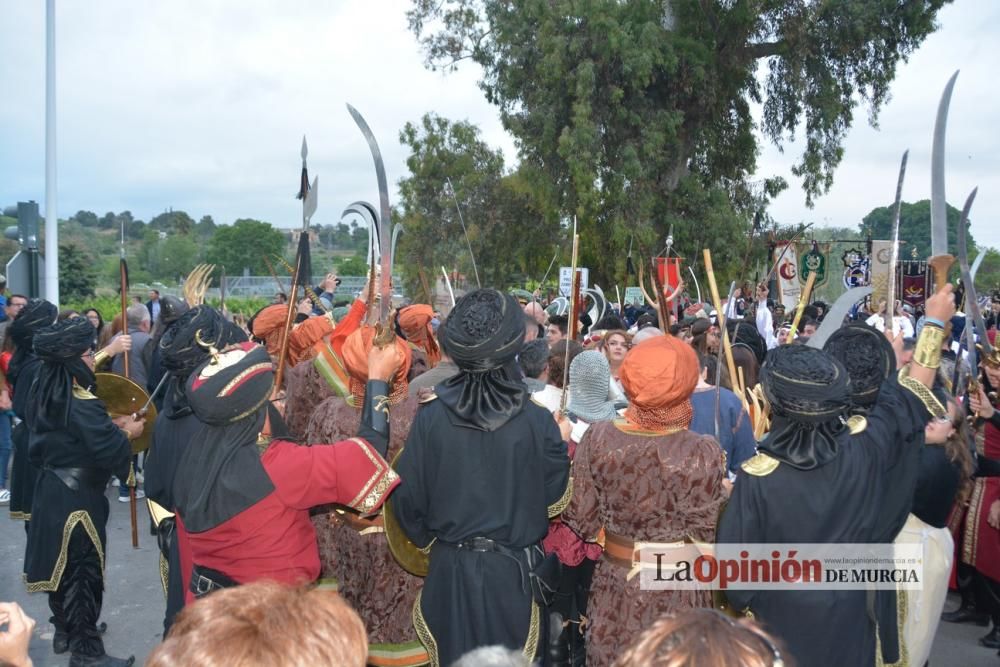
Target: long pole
[51, 218]
[465, 231]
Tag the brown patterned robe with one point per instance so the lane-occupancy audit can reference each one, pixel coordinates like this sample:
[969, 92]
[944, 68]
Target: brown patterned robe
[646, 487]
[368, 576]
[305, 389]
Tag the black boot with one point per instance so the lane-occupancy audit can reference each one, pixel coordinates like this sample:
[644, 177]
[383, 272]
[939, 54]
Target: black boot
[992, 638]
[967, 613]
[559, 649]
[60, 638]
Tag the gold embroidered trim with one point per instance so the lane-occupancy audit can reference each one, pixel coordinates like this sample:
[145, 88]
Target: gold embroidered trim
[760, 465]
[904, 654]
[559, 506]
[925, 395]
[81, 393]
[857, 424]
[927, 352]
[78, 517]
[164, 574]
[970, 536]
[534, 626]
[377, 485]
[20, 516]
[242, 376]
[424, 633]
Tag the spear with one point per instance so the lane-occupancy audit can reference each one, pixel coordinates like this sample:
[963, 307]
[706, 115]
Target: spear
[472, 256]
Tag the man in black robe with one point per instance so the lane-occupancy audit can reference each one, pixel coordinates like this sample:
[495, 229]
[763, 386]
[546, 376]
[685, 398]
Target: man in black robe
[484, 468]
[186, 343]
[37, 314]
[814, 481]
[76, 447]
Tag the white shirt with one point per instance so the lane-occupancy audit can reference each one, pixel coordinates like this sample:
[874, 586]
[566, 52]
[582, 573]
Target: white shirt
[550, 398]
[900, 323]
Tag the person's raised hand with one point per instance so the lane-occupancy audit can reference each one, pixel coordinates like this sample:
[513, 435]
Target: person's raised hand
[383, 362]
[941, 304]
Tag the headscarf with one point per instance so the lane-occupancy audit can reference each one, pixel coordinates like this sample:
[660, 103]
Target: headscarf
[355, 351]
[589, 379]
[415, 323]
[220, 473]
[482, 335]
[659, 377]
[868, 357]
[60, 347]
[181, 353]
[809, 392]
[35, 315]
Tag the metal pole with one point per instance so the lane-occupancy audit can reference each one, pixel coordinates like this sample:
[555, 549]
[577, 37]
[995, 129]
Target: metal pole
[51, 218]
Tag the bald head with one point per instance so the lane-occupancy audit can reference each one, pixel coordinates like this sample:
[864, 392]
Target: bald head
[535, 311]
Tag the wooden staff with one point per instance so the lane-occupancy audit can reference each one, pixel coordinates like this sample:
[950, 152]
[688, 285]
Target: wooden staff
[803, 300]
[279, 374]
[123, 278]
[717, 302]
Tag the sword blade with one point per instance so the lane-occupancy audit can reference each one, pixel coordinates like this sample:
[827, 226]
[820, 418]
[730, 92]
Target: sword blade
[939, 205]
[835, 317]
[973, 311]
[890, 304]
[385, 216]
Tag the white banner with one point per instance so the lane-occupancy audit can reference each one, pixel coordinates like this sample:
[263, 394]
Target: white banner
[566, 281]
[787, 273]
[881, 260]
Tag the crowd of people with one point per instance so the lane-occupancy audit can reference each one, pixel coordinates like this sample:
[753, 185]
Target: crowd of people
[475, 489]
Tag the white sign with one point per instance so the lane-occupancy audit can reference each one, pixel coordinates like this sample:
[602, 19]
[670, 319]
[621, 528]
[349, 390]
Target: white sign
[633, 296]
[566, 281]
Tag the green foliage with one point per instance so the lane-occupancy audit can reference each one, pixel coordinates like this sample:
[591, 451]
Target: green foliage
[177, 222]
[988, 278]
[512, 226]
[169, 258]
[76, 271]
[639, 112]
[915, 227]
[352, 266]
[245, 244]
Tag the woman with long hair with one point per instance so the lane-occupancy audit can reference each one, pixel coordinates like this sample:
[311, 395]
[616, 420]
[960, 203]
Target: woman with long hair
[94, 317]
[615, 345]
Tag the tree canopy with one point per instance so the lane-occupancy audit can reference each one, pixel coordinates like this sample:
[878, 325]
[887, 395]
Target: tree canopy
[915, 227]
[78, 267]
[639, 112]
[245, 244]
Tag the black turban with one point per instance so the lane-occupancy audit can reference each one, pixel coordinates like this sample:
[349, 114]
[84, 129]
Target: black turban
[220, 473]
[36, 314]
[180, 352]
[482, 335]
[808, 391]
[179, 349]
[60, 348]
[868, 357]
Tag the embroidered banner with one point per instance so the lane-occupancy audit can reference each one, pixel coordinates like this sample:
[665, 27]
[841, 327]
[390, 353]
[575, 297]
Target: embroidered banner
[788, 275]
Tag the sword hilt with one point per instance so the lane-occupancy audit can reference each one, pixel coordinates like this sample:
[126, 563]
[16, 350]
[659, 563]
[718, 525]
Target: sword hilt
[942, 265]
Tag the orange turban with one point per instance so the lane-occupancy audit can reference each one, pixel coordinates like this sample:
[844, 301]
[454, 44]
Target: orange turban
[355, 352]
[659, 376]
[415, 323]
[269, 324]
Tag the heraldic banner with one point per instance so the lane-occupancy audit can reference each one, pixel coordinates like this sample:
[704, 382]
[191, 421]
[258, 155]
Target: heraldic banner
[788, 275]
[881, 259]
[913, 283]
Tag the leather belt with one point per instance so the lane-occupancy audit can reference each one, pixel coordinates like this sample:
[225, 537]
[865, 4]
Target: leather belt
[74, 478]
[619, 550]
[205, 580]
[360, 524]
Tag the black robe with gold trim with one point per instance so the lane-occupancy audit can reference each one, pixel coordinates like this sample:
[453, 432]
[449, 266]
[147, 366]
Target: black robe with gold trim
[23, 474]
[92, 442]
[863, 495]
[462, 483]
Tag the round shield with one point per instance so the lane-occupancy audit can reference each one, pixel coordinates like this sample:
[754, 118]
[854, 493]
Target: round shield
[410, 557]
[121, 397]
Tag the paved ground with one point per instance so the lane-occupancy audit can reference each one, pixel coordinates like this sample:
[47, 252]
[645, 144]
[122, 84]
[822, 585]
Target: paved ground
[134, 604]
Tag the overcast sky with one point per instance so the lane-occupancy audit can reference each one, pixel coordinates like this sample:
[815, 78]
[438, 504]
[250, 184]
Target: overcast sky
[201, 106]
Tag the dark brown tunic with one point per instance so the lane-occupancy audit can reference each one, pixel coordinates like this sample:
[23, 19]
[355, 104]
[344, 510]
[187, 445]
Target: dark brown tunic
[368, 576]
[646, 487]
[305, 389]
